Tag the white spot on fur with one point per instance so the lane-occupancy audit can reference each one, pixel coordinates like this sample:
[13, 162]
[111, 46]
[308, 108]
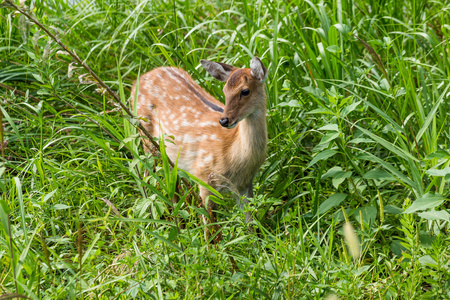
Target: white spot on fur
[188, 139]
[207, 124]
[185, 123]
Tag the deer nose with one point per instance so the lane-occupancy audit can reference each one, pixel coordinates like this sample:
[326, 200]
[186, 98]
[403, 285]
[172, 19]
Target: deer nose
[224, 122]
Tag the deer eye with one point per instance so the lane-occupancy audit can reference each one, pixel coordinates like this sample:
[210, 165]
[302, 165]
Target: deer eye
[245, 92]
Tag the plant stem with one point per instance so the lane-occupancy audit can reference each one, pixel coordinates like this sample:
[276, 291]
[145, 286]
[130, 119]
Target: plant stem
[99, 81]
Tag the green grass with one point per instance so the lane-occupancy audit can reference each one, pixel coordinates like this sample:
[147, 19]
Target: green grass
[358, 130]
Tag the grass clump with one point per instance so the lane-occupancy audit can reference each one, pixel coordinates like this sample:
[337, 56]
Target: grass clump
[358, 134]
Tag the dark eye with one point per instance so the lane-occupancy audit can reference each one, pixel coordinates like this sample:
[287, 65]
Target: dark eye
[245, 92]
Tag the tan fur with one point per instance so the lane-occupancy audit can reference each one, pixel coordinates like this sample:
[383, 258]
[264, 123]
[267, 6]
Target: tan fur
[169, 97]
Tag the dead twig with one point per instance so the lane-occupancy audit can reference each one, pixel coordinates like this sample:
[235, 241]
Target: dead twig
[97, 79]
[18, 92]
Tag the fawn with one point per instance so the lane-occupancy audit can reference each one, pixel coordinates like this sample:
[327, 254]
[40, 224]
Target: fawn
[228, 140]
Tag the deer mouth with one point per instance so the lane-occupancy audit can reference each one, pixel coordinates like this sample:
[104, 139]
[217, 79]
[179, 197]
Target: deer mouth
[233, 125]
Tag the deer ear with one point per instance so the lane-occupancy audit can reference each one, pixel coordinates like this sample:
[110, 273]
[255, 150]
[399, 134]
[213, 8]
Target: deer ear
[219, 71]
[258, 69]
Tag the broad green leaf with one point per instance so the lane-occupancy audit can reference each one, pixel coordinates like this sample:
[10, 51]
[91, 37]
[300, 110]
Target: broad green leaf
[332, 201]
[343, 28]
[60, 206]
[427, 260]
[331, 172]
[334, 49]
[392, 209]
[348, 109]
[292, 103]
[441, 215]
[329, 127]
[378, 174]
[326, 139]
[429, 200]
[340, 177]
[368, 213]
[436, 172]
[321, 110]
[321, 156]
[361, 140]
[438, 154]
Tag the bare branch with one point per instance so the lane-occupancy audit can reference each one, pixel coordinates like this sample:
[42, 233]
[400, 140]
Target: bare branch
[96, 78]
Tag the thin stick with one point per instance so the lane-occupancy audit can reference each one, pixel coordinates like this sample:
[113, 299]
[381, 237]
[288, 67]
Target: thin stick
[98, 80]
[17, 92]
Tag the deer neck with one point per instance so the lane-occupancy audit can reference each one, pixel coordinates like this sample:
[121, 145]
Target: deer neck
[251, 138]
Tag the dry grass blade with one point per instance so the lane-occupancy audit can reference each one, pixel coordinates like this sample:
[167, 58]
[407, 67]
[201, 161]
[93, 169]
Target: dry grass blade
[375, 57]
[13, 296]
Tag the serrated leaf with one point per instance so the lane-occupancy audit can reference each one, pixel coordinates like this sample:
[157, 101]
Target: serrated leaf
[429, 200]
[332, 201]
[321, 156]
